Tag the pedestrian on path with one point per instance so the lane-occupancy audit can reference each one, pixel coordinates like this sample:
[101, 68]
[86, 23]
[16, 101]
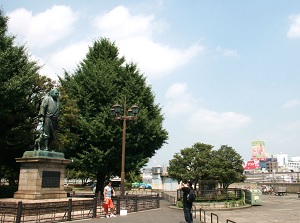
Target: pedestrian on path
[108, 192]
[187, 205]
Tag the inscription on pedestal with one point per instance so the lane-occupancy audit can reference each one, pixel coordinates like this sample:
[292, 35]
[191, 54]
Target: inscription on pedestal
[50, 179]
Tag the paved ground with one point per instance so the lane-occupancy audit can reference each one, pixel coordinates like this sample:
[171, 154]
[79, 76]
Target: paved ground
[275, 209]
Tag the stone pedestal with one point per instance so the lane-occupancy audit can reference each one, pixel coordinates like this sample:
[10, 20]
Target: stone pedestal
[42, 175]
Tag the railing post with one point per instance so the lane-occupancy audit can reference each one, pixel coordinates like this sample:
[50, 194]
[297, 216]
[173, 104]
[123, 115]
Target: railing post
[118, 205]
[19, 212]
[70, 210]
[126, 202]
[95, 208]
[204, 217]
[194, 210]
[99, 197]
[136, 203]
[214, 215]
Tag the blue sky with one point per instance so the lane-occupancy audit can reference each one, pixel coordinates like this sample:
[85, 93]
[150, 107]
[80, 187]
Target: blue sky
[224, 72]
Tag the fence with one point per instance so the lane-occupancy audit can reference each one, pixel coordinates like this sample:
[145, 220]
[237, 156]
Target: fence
[71, 209]
[216, 195]
[171, 199]
[210, 194]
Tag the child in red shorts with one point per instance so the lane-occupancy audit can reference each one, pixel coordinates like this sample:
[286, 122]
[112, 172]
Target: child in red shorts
[108, 203]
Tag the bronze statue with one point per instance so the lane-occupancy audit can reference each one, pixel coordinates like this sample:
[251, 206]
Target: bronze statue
[48, 115]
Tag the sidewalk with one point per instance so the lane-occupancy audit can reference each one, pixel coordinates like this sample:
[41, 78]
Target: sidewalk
[163, 214]
[279, 209]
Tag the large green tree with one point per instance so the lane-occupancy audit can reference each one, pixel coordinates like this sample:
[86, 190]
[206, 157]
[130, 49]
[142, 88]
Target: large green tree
[69, 123]
[102, 79]
[191, 163]
[227, 166]
[201, 162]
[21, 89]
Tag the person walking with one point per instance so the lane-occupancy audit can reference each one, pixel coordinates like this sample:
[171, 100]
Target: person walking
[187, 205]
[108, 192]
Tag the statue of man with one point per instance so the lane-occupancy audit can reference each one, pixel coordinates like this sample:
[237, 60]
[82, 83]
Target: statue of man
[49, 113]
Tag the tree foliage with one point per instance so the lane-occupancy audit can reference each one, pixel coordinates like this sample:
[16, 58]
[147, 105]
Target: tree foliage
[227, 166]
[191, 163]
[21, 89]
[201, 162]
[102, 79]
[69, 123]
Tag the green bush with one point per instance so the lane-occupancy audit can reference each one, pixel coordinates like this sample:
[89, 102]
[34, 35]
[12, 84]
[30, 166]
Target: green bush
[68, 189]
[241, 202]
[128, 185]
[226, 204]
[232, 203]
[78, 188]
[179, 204]
[231, 196]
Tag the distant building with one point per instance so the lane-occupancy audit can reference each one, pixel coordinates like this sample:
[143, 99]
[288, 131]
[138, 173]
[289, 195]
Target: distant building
[271, 164]
[147, 175]
[282, 159]
[156, 177]
[294, 164]
[295, 158]
[159, 179]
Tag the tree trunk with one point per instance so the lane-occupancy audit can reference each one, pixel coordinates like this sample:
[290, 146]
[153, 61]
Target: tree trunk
[100, 182]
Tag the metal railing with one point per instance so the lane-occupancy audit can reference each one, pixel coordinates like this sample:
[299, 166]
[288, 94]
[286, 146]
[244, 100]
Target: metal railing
[216, 195]
[135, 203]
[72, 209]
[213, 218]
[171, 199]
[203, 217]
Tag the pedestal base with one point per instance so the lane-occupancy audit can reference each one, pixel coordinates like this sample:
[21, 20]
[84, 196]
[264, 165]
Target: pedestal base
[41, 177]
[39, 195]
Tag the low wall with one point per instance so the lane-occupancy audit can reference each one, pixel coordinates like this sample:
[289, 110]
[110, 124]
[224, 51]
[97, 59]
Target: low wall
[290, 187]
[244, 186]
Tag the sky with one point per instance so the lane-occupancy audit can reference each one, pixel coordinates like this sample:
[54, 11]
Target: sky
[223, 72]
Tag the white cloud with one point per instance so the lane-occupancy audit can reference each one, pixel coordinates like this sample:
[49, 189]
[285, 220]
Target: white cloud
[291, 103]
[180, 101]
[119, 24]
[66, 59]
[133, 34]
[213, 121]
[227, 52]
[294, 30]
[42, 29]
[284, 138]
[159, 60]
[176, 90]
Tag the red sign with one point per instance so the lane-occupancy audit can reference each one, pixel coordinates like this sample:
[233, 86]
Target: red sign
[251, 165]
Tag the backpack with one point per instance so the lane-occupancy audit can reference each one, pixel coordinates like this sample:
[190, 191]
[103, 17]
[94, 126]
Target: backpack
[191, 197]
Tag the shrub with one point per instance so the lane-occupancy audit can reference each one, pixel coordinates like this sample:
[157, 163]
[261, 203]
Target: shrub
[179, 204]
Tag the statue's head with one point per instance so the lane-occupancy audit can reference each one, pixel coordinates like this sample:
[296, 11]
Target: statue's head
[54, 93]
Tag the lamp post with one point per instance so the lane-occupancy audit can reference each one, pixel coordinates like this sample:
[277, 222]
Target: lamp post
[127, 115]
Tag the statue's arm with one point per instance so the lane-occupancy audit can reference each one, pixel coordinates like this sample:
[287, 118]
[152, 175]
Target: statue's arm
[43, 108]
